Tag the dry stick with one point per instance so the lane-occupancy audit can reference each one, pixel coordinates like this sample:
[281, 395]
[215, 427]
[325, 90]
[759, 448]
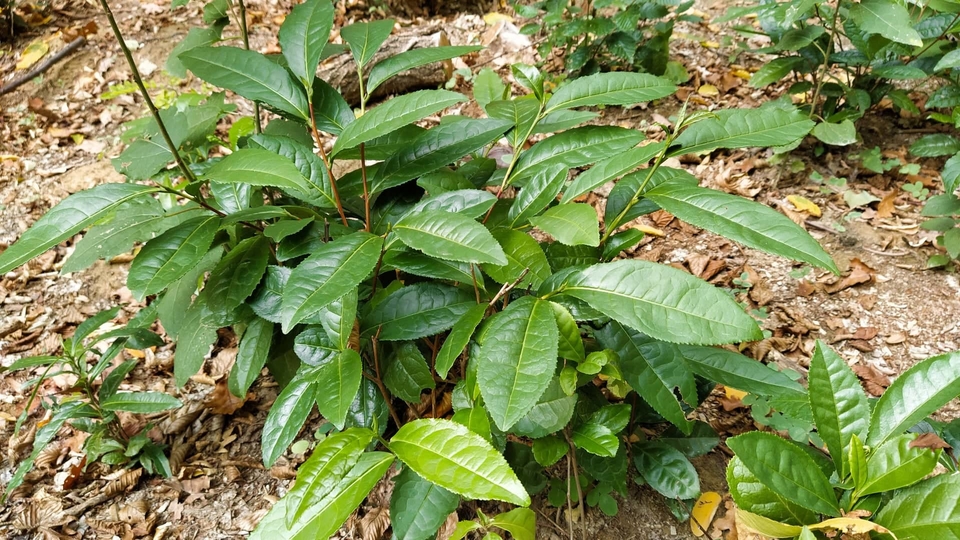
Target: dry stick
[43, 66]
[576, 477]
[187, 173]
[246, 45]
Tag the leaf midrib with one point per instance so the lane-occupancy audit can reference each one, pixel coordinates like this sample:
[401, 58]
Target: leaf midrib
[149, 284]
[294, 106]
[340, 268]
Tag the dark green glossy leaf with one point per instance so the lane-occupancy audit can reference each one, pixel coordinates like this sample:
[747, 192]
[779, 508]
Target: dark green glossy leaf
[458, 338]
[521, 113]
[366, 38]
[287, 415]
[738, 371]
[549, 450]
[418, 310]
[446, 235]
[738, 128]
[550, 414]
[339, 318]
[196, 335]
[537, 193]
[666, 470]
[237, 275]
[751, 495]
[419, 507]
[930, 509]
[312, 184]
[609, 169]
[418, 264]
[575, 148]
[617, 88]
[411, 59]
[252, 355]
[523, 253]
[596, 439]
[896, 464]
[838, 403]
[169, 256]
[407, 373]
[140, 402]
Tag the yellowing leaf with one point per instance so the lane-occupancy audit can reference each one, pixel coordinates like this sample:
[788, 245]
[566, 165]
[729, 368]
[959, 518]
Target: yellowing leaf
[649, 230]
[805, 205]
[710, 44]
[708, 90]
[135, 353]
[733, 393]
[703, 512]
[32, 53]
[494, 18]
[849, 525]
[742, 73]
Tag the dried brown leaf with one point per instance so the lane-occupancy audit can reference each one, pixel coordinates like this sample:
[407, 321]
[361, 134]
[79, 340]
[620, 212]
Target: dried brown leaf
[929, 440]
[761, 293]
[222, 401]
[865, 333]
[873, 381]
[859, 273]
[127, 480]
[374, 524]
[886, 208]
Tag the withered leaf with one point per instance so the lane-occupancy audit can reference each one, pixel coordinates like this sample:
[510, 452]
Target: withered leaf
[859, 273]
[873, 381]
[885, 207]
[929, 440]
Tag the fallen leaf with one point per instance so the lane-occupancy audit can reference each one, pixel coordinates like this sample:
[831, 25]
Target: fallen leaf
[32, 53]
[929, 440]
[865, 333]
[761, 293]
[708, 90]
[896, 338]
[804, 204]
[649, 230]
[859, 273]
[493, 18]
[703, 512]
[733, 393]
[885, 207]
[221, 401]
[805, 288]
[873, 381]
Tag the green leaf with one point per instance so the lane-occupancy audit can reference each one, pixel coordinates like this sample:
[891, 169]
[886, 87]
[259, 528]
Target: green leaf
[663, 302]
[451, 456]
[418, 310]
[287, 415]
[609, 169]
[249, 74]
[521, 113]
[537, 193]
[140, 402]
[521, 523]
[702, 439]
[549, 450]
[339, 318]
[476, 419]
[930, 509]
[325, 518]
[786, 470]
[528, 77]
[407, 373]
[575, 148]
[571, 344]
[951, 174]
[472, 203]
[563, 120]
[523, 253]
[596, 439]
[197, 333]
[72, 215]
[393, 115]
[327, 275]
[418, 264]
[262, 167]
[252, 355]
[436, 148]
[411, 59]
[311, 185]
[136, 220]
[936, 145]
[798, 38]
[666, 470]
[627, 200]
[418, 507]
[30, 362]
[752, 224]
[751, 495]
[620, 242]
[841, 134]
[738, 128]
[838, 403]
[915, 394]
[446, 235]
[169, 256]
[652, 367]
[458, 338]
[616, 88]
[551, 413]
[331, 461]
[336, 376]
[366, 38]
[237, 275]
[895, 464]
[517, 359]
[330, 110]
[887, 18]
[196, 37]
[304, 34]
[488, 87]
[775, 70]
[572, 224]
[950, 60]
[737, 371]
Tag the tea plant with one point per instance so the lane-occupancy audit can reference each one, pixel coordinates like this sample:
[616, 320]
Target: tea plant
[608, 35]
[871, 479]
[943, 209]
[92, 403]
[845, 57]
[373, 293]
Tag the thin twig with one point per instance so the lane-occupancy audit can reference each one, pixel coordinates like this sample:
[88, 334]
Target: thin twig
[326, 162]
[187, 173]
[43, 66]
[242, 19]
[507, 287]
[379, 380]
[576, 477]
[366, 190]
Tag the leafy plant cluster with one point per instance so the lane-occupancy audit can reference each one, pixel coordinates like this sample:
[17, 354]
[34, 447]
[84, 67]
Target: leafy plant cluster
[608, 35]
[872, 477]
[944, 209]
[370, 294]
[92, 404]
[846, 57]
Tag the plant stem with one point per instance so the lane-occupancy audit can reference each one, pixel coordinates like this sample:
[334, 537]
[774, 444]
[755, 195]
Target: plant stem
[576, 477]
[242, 19]
[513, 161]
[653, 168]
[366, 191]
[822, 73]
[326, 162]
[187, 173]
[379, 380]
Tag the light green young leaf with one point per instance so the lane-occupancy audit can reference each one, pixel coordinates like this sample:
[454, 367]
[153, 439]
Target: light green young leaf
[72, 215]
[573, 224]
[169, 256]
[571, 344]
[745, 221]
[841, 134]
[521, 523]
[838, 403]
[249, 74]
[325, 518]
[887, 18]
[775, 70]
[393, 115]
[663, 302]
[303, 35]
[575, 148]
[140, 402]
[896, 464]
[751, 495]
[930, 509]
[453, 457]
[366, 38]
[786, 470]
[615, 88]
[915, 394]
[327, 275]
[488, 87]
[446, 235]
[518, 357]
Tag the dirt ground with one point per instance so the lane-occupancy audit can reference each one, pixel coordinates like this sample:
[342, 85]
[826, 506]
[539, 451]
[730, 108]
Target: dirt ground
[57, 135]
